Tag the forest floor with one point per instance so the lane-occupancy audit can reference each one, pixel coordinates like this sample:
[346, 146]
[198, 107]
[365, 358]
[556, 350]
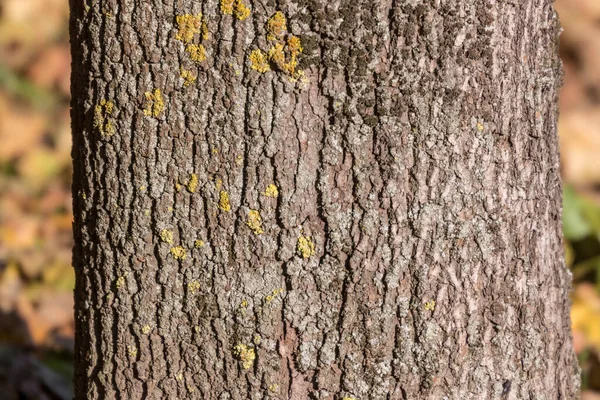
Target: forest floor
[36, 279]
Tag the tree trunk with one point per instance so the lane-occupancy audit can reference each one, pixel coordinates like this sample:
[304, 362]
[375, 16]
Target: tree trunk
[343, 200]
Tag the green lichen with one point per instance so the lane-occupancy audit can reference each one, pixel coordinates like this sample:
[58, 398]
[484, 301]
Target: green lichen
[271, 191]
[154, 103]
[224, 201]
[259, 61]
[188, 25]
[429, 305]
[305, 246]
[102, 118]
[178, 252]
[166, 236]
[245, 354]
[255, 222]
[193, 287]
[192, 184]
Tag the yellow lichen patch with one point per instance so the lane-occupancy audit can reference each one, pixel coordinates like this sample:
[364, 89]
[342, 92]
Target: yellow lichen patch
[188, 25]
[244, 303]
[294, 45]
[120, 282]
[479, 126]
[218, 183]
[192, 184]
[259, 61]
[273, 387]
[349, 398]
[227, 6]
[187, 76]
[178, 252]
[241, 10]
[193, 287]
[154, 103]
[132, 350]
[271, 191]
[197, 52]
[166, 236]
[255, 222]
[290, 67]
[277, 55]
[430, 305]
[276, 26]
[146, 329]
[305, 246]
[270, 297]
[102, 113]
[224, 201]
[198, 243]
[257, 339]
[204, 34]
[245, 354]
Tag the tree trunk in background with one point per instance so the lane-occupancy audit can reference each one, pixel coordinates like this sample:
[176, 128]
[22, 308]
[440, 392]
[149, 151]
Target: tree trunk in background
[385, 224]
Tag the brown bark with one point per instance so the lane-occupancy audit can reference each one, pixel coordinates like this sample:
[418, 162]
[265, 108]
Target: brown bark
[418, 155]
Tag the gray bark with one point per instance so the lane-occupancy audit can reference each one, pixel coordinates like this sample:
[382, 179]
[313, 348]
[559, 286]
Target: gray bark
[418, 155]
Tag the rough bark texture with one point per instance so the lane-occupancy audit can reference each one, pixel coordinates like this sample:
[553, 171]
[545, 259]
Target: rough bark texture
[419, 156]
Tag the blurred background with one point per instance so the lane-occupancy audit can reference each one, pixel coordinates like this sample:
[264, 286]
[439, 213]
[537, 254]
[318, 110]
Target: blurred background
[36, 279]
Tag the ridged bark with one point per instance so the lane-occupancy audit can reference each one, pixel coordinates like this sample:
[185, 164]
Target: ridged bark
[418, 155]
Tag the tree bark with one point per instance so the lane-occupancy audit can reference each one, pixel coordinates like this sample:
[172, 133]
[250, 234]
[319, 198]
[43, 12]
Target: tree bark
[380, 221]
